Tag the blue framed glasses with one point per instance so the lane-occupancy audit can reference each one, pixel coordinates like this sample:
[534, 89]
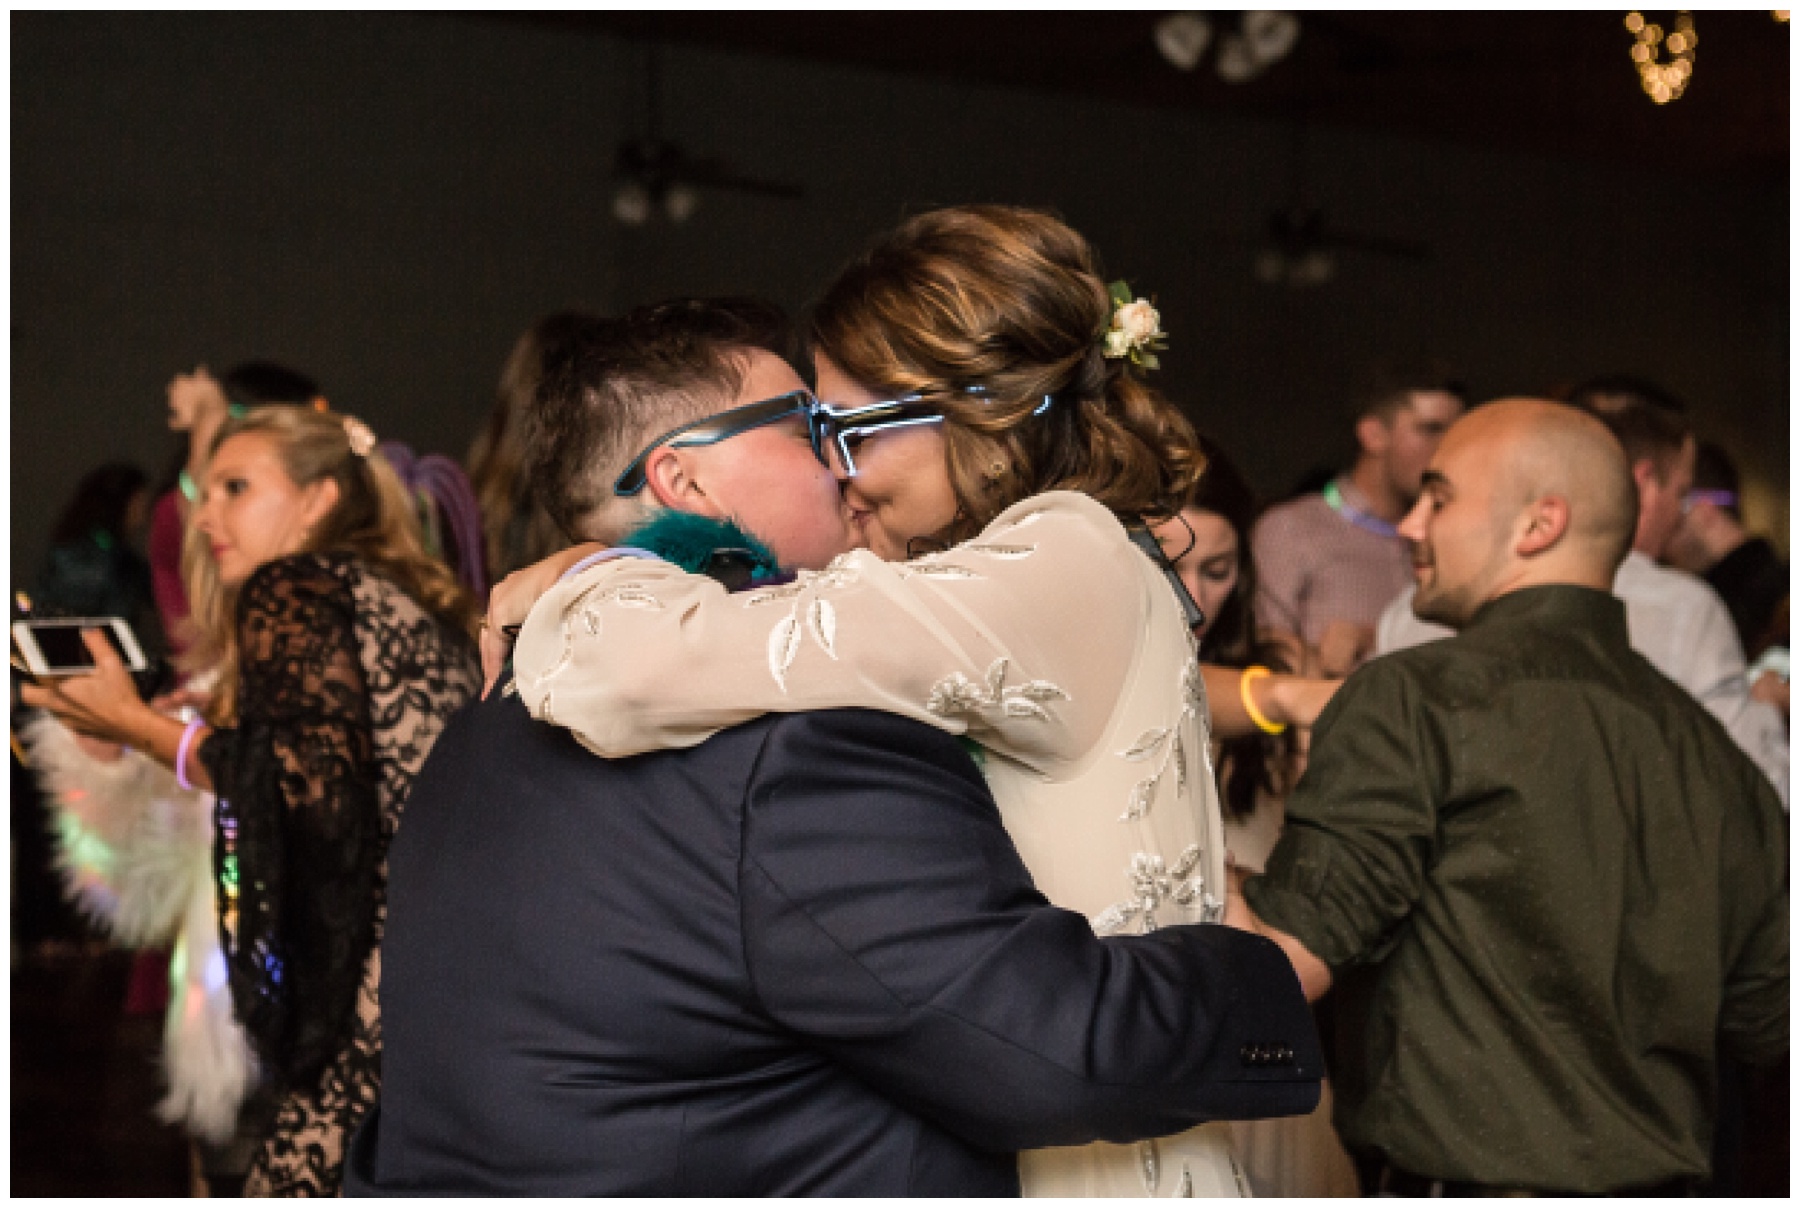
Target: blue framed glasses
[827, 426]
[715, 428]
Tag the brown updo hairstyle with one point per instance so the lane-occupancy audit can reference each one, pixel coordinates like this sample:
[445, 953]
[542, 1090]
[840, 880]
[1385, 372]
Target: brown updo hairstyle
[1014, 301]
[374, 519]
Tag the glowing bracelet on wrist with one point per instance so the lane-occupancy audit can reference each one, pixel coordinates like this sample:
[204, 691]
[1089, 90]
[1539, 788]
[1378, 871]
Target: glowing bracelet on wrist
[1252, 674]
[181, 751]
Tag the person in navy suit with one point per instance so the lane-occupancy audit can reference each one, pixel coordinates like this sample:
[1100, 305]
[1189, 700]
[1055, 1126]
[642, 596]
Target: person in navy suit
[801, 957]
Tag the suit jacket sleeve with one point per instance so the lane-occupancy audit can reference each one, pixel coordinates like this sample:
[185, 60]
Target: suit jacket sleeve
[888, 920]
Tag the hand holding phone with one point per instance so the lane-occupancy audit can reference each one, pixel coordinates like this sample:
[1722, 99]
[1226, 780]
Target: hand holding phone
[100, 701]
[54, 647]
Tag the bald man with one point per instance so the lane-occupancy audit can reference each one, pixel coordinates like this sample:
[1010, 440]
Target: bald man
[1676, 620]
[1545, 877]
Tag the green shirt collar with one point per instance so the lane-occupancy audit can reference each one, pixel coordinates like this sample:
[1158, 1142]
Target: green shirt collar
[1563, 605]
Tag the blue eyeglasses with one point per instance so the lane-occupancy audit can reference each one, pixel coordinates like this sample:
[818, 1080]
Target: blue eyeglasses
[827, 426]
[715, 428]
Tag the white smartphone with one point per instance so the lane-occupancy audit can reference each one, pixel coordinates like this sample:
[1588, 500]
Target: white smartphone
[53, 646]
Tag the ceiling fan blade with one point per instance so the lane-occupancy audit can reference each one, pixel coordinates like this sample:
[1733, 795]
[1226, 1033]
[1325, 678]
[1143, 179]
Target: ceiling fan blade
[1381, 245]
[713, 174]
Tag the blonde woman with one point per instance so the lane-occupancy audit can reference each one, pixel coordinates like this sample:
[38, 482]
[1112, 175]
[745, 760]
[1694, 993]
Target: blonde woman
[981, 400]
[342, 649]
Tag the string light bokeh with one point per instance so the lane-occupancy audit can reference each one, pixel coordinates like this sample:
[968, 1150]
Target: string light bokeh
[1663, 81]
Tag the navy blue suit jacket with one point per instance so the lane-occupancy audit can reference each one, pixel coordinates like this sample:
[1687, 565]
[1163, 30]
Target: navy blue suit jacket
[801, 958]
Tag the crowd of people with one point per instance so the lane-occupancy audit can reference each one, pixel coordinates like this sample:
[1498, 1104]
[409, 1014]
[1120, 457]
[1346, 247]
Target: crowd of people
[941, 778]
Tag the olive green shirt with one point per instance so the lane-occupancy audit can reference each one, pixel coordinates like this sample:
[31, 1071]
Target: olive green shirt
[1547, 883]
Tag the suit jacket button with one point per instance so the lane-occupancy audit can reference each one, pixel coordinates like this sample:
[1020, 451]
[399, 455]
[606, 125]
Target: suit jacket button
[1285, 1055]
[1247, 1055]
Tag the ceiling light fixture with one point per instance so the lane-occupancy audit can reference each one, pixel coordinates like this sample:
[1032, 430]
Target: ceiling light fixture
[1260, 40]
[1182, 38]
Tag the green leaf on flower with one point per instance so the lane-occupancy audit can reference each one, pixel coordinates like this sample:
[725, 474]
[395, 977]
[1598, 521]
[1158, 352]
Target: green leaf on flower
[1121, 293]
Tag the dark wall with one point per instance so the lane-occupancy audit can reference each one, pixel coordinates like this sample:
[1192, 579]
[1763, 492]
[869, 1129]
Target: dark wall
[386, 200]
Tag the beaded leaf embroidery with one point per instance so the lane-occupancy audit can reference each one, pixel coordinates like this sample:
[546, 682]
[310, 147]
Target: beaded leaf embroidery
[956, 693]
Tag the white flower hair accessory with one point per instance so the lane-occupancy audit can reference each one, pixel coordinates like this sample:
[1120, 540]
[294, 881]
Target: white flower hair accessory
[1136, 329]
[360, 436]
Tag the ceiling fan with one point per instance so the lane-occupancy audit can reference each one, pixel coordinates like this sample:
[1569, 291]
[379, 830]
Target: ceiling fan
[657, 175]
[1300, 248]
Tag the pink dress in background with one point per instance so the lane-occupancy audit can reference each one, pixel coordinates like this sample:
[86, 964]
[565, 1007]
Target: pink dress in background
[165, 567]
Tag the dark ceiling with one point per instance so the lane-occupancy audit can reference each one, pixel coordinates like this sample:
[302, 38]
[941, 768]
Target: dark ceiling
[1560, 83]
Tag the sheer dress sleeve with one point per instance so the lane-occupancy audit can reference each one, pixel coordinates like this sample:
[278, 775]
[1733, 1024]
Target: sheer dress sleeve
[1022, 638]
[298, 822]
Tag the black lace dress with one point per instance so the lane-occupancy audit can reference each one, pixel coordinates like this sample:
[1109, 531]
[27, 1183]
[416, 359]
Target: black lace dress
[345, 683]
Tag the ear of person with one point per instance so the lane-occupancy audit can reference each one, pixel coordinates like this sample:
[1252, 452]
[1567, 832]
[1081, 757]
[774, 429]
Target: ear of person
[317, 501]
[1372, 433]
[673, 478]
[1546, 521]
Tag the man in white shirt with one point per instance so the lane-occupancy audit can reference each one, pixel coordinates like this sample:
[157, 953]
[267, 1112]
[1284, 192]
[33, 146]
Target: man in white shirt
[1675, 620]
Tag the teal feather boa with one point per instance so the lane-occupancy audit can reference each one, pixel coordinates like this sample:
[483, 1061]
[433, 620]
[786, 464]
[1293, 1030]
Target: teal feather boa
[689, 541]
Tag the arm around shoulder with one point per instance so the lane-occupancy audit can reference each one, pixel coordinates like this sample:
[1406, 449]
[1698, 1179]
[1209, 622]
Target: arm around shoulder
[1020, 637]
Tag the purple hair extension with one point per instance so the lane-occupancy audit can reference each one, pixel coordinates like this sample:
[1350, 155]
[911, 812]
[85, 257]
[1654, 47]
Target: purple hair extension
[445, 485]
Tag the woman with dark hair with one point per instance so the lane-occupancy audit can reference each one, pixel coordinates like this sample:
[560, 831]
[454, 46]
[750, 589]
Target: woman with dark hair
[981, 399]
[92, 569]
[1258, 755]
[341, 649]
[1255, 702]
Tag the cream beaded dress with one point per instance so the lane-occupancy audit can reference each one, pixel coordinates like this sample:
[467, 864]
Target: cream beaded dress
[1049, 640]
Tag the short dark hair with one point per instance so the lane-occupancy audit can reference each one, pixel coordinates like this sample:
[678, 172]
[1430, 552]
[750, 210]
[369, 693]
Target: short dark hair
[614, 385]
[1386, 386]
[1650, 422]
